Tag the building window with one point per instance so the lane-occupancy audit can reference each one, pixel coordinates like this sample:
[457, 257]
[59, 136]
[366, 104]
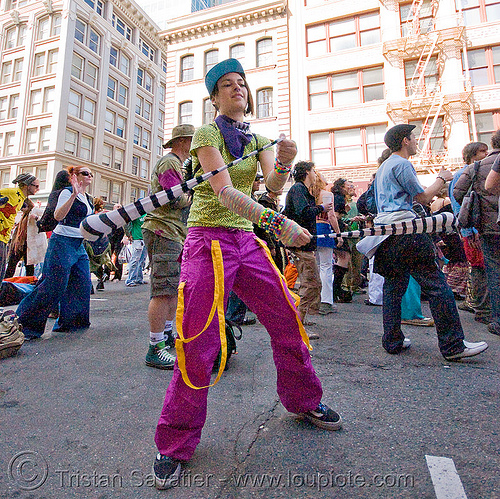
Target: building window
[484, 66]
[436, 141]
[112, 83]
[77, 66]
[48, 99]
[342, 34]
[144, 168]
[264, 52]
[122, 94]
[121, 26]
[416, 18]
[18, 70]
[89, 111]
[479, 11]
[139, 104]
[146, 139]
[52, 61]
[421, 80]
[119, 60]
[39, 64]
[161, 119]
[37, 140]
[4, 106]
[348, 146]
[161, 92]
[147, 110]
[49, 26]
[10, 138]
[107, 154]
[237, 52]
[121, 125]
[135, 165]
[124, 66]
[70, 142]
[86, 147]
[208, 111]
[185, 112]
[35, 102]
[109, 121]
[148, 51]
[74, 104]
[264, 103]
[164, 65]
[344, 89]
[118, 160]
[6, 76]
[91, 74]
[148, 82]
[159, 146]
[486, 125]
[97, 5]
[87, 35]
[137, 134]
[15, 36]
[45, 138]
[211, 59]
[13, 106]
[187, 68]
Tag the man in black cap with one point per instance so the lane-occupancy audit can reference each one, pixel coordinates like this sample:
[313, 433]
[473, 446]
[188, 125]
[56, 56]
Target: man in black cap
[397, 257]
[11, 201]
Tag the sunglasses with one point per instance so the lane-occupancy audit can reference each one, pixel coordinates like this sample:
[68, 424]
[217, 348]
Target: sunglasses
[86, 174]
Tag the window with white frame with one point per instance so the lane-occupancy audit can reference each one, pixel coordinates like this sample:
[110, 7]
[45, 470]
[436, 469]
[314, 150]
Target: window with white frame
[187, 68]
[121, 26]
[484, 65]
[118, 159]
[5, 175]
[97, 5]
[148, 82]
[107, 154]
[6, 76]
[161, 92]
[185, 112]
[139, 105]
[116, 192]
[35, 106]
[211, 59]
[208, 111]
[31, 140]
[348, 146]
[147, 110]
[49, 94]
[9, 149]
[159, 146]
[3, 107]
[486, 124]
[146, 139]
[479, 11]
[264, 52]
[416, 18]
[91, 74]
[112, 84]
[37, 139]
[86, 146]
[104, 189]
[146, 49]
[18, 70]
[264, 103]
[70, 142]
[121, 126]
[15, 36]
[13, 106]
[119, 60]
[77, 65]
[237, 52]
[39, 64]
[122, 94]
[89, 111]
[137, 134]
[45, 136]
[52, 61]
[164, 65]
[161, 119]
[87, 35]
[49, 26]
[74, 104]
[45, 63]
[135, 165]
[144, 168]
[109, 121]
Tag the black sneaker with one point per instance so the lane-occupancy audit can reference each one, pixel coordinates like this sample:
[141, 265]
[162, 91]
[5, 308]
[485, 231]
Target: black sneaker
[166, 471]
[324, 417]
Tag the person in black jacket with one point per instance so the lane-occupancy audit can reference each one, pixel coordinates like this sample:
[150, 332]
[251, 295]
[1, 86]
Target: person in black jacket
[301, 207]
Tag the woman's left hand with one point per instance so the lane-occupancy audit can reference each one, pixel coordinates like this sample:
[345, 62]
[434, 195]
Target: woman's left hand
[286, 150]
[78, 187]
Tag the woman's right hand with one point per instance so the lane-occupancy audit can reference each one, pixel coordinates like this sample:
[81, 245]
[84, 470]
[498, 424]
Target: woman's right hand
[78, 187]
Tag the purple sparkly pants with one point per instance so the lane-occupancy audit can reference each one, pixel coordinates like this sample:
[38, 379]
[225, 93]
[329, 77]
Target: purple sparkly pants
[247, 271]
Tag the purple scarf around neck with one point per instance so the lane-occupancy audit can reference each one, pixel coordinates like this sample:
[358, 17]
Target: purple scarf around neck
[236, 134]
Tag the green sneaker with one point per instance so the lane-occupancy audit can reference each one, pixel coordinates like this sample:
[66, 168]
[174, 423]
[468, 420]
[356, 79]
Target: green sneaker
[160, 356]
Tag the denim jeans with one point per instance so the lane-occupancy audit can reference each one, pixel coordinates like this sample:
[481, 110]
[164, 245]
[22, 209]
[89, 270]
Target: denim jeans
[66, 280]
[491, 250]
[442, 305]
[136, 264]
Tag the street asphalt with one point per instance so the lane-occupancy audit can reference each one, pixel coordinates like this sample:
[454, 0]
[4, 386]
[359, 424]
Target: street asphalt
[78, 414]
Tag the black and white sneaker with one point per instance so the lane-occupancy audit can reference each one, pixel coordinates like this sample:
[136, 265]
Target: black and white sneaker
[166, 471]
[324, 417]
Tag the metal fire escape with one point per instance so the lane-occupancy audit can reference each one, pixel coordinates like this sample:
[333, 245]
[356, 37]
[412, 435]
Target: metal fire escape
[425, 100]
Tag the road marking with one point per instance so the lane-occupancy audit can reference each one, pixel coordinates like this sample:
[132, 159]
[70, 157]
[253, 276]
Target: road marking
[98, 299]
[446, 480]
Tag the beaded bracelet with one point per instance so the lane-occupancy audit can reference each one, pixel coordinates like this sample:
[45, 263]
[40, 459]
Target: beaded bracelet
[281, 168]
[272, 222]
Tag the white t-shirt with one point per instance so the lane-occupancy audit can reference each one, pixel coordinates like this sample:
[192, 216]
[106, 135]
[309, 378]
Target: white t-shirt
[65, 230]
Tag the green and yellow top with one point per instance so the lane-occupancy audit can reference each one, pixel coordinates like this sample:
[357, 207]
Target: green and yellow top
[206, 210]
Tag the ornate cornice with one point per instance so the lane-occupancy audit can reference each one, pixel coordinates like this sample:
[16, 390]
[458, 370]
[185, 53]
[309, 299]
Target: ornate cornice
[136, 17]
[229, 21]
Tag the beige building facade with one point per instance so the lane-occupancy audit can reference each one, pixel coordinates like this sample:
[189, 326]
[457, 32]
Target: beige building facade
[81, 82]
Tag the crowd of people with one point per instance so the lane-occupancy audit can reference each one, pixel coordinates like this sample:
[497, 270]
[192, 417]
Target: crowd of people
[239, 244]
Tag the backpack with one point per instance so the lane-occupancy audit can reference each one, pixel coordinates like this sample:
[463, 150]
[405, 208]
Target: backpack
[366, 203]
[47, 222]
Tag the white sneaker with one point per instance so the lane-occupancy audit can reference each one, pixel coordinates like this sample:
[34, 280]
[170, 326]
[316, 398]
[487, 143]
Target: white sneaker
[406, 343]
[470, 350]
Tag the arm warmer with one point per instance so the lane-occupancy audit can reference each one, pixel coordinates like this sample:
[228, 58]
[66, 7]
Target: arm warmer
[246, 207]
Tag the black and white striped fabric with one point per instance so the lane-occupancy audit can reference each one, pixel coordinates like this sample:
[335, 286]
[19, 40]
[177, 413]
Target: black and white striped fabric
[95, 226]
[443, 222]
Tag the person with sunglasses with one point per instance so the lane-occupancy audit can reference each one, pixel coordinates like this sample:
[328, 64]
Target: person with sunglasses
[65, 275]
